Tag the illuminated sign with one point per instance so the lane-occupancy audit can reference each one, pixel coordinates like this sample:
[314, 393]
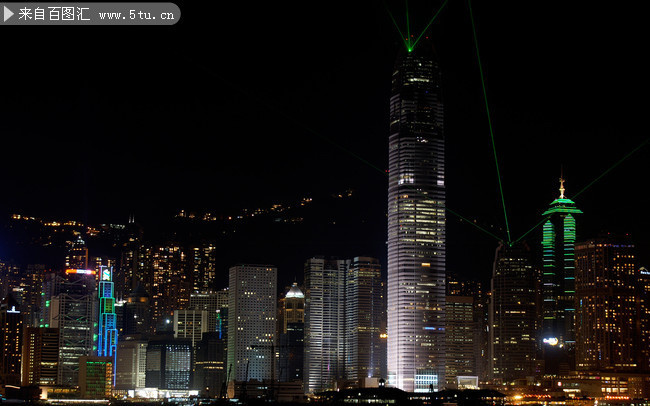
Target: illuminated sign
[81, 271]
[550, 341]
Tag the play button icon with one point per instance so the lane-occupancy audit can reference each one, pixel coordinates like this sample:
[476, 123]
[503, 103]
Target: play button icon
[7, 13]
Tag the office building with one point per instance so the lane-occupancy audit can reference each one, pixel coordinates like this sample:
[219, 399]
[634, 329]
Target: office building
[513, 315]
[344, 322]
[292, 335]
[460, 331]
[137, 312]
[252, 304]
[169, 363]
[364, 314]
[212, 302]
[416, 224]
[40, 356]
[107, 326]
[609, 297]
[324, 323]
[95, 377]
[77, 256]
[558, 285]
[11, 340]
[73, 310]
[210, 365]
[131, 363]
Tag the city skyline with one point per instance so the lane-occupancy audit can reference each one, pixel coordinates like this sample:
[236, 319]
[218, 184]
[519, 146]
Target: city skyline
[545, 114]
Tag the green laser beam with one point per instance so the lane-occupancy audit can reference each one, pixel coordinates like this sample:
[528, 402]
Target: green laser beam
[351, 153]
[401, 35]
[613, 166]
[474, 224]
[429, 24]
[487, 109]
[408, 27]
[542, 221]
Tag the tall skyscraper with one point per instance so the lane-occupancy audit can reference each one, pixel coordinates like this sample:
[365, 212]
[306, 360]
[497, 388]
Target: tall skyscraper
[291, 329]
[344, 320]
[73, 310]
[609, 325]
[324, 323]
[107, 326]
[11, 339]
[513, 315]
[416, 224]
[558, 285]
[252, 315]
[40, 355]
[460, 331]
[364, 311]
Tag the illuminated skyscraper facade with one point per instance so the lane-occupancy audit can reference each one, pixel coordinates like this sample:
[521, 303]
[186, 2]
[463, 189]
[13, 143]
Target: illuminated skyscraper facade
[364, 311]
[416, 225]
[513, 316]
[324, 323]
[558, 285]
[107, 331]
[291, 331]
[609, 295]
[73, 310]
[11, 341]
[252, 312]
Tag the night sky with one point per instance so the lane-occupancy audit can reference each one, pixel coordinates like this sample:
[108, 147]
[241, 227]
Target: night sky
[245, 104]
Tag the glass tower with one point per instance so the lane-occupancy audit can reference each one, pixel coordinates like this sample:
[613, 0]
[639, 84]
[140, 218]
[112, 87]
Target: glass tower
[416, 225]
[107, 331]
[558, 282]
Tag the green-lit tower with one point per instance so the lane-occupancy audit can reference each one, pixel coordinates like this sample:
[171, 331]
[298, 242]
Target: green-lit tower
[558, 283]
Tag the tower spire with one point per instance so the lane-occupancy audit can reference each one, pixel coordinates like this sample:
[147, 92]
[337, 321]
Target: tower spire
[562, 188]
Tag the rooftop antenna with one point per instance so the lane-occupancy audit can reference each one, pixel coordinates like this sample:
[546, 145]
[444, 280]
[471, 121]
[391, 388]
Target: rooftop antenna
[562, 183]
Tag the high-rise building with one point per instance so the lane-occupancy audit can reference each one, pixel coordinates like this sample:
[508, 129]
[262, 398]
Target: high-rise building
[190, 324]
[168, 280]
[11, 339]
[77, 256]
[73, 310]
[252, 314]
[460, 330]
[40, 356]
[169, 363]
[131, 363]
[204, 272]
[459, 293]
[96, 377]
[107, 326]
[608, 321]
[344, 322]
[416, 224]
[210, 372]
[292, 335]
[558, 285]
[137, 312]
[364, 312]
[513, 315]
[212, 302]
[324, 323]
